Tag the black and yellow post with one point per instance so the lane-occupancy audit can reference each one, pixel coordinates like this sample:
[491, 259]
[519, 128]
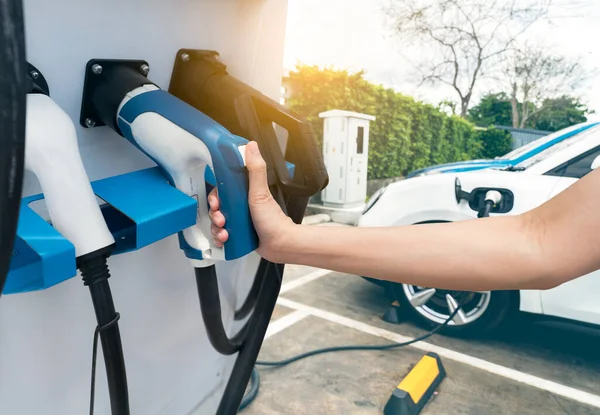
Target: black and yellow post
[417, 387]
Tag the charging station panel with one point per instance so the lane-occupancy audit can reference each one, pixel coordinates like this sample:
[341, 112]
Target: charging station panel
[45, 353]
[346, 155]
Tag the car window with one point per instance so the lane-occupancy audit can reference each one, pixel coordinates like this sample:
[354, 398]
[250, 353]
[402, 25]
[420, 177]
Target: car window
[527, 147]
[556, 148]
[516, 153]
[577, 167]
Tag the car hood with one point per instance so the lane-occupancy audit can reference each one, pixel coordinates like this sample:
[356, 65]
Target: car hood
[461, 166]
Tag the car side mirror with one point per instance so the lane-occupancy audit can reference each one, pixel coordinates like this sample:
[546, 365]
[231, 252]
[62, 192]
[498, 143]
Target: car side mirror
[596, 163]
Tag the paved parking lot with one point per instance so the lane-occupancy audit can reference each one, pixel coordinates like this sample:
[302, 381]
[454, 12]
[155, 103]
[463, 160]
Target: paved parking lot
[532, 369]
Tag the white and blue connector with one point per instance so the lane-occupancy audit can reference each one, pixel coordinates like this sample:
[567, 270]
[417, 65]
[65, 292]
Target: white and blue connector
[190, 147]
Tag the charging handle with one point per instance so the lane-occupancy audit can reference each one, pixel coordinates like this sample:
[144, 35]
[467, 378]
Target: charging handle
[492, 199]
[493, 196]
[201, 79]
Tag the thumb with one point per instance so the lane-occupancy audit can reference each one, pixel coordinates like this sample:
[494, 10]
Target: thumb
[257, 172]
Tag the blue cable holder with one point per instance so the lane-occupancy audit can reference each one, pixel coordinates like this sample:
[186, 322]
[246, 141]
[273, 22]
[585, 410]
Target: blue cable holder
[141, 208]
[41, 256]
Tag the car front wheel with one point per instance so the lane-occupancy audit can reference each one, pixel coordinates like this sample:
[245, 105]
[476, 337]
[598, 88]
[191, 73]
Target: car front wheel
[479, 314]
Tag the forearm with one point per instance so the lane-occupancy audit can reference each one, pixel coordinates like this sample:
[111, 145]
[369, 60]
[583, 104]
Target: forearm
[484, 254]
[544, 247]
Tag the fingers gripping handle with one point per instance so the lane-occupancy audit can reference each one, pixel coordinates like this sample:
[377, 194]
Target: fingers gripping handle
[231, 180]
[184, 142]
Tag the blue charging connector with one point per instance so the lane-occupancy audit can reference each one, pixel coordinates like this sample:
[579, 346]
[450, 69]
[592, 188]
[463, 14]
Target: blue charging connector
[190, 147]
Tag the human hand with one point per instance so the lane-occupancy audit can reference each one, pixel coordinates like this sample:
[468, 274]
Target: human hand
[273, 226]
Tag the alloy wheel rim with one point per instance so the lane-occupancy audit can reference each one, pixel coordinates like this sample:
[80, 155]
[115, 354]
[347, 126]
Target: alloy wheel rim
[437, 305]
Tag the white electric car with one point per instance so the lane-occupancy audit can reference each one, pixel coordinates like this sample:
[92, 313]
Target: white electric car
[457, 196]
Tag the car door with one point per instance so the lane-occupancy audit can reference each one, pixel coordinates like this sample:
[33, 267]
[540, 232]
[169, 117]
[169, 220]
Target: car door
[577, 299]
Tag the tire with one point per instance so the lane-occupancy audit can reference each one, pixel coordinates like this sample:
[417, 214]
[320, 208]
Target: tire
[484, 313]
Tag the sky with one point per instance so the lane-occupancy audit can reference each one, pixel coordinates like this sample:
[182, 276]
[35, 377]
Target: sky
[353, 34]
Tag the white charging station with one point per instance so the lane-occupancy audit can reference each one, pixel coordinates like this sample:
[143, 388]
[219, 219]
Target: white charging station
[45, 353]
[346, 155]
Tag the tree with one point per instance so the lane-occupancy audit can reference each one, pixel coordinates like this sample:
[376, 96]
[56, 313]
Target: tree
[493, 109]
[535, 78]
[495, 142]
[560, 113]
[466, 39]
[447, 106]
[555, 113]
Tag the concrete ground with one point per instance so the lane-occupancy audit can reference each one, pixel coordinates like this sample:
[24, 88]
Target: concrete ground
[533, 369]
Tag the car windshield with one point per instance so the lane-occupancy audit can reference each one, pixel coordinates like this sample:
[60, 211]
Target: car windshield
[556, 148]
[536, 143]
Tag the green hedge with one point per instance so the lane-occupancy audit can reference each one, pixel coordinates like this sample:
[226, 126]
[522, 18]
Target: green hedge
[407, 134]
[495, 142]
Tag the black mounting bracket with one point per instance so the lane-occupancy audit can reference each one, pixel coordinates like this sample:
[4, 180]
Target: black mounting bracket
[96, 72]
[460, 193]
[37, 84]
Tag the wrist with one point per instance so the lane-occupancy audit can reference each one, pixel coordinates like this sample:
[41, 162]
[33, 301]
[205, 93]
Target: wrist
[286, 246]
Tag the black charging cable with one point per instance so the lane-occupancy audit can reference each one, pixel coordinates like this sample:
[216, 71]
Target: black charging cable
[243, 368]
[487, 208]
[98, 330]
[252, 296]
[13, 90]
[255, 378]
[95, 275]
[241, 374]
[210, 308]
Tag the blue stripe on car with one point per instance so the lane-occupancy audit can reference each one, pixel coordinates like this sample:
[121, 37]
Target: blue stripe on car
[470, 165]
